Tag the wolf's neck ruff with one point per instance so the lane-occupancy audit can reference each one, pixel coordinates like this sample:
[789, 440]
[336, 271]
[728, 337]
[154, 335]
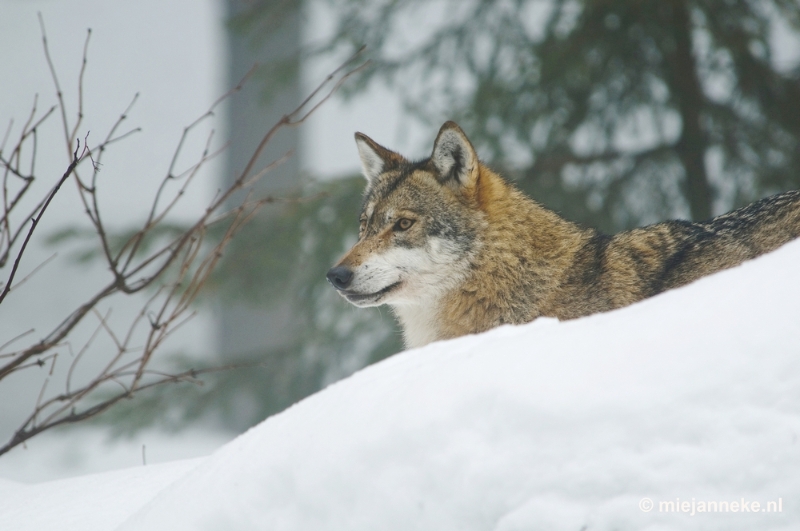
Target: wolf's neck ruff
[455, 249]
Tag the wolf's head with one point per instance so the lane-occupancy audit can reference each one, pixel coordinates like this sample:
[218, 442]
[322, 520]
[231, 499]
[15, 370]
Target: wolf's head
[419, 222]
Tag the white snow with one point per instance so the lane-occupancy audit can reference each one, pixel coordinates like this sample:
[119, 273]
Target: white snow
[693, 396]
[96, 502]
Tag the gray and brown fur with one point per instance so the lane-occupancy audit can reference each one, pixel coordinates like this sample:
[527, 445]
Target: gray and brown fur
[479, 253]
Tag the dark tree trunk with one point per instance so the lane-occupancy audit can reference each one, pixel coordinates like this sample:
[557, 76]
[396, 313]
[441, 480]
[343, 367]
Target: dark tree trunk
[686, 89]
[247, 329]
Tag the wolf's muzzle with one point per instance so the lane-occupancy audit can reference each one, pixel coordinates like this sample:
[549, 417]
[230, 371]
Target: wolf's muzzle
[340, 277]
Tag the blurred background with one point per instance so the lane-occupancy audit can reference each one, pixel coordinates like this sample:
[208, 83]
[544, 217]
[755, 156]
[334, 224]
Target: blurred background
[613, 113]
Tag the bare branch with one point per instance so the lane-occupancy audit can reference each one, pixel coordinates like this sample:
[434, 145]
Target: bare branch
[177, 269]
[35, 221]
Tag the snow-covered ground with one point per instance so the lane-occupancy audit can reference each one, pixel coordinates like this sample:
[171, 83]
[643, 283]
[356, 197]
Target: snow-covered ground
[98, 502]
[602, 423]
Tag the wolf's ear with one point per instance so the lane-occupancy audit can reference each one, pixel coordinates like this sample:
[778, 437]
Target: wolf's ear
[375, 159]
[454, 156]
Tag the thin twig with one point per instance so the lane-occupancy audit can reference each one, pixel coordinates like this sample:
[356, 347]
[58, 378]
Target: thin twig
[5, 137]
[35, 222]
[84, 61]
[82, 351]
[35, 270]
[14, 339]
[59, 93]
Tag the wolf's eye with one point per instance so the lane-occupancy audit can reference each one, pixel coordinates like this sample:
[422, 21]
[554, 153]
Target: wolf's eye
[362, 224]
[403, 224]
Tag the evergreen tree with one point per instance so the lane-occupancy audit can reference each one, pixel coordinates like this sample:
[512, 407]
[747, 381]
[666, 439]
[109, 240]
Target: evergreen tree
[614, 112]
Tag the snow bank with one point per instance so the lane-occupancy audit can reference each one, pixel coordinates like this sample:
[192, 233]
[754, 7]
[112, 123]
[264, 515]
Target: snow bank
[692, 396]
[96, 502]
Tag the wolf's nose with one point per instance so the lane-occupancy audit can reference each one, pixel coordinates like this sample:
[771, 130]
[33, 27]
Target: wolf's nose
[340, 277]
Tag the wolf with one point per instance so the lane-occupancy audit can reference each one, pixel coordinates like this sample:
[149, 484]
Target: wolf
[453, 248]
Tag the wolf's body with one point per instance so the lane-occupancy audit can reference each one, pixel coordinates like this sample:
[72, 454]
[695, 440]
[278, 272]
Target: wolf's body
[455, 249]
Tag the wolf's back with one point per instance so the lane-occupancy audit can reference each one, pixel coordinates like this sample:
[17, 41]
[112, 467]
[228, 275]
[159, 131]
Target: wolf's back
[764, 225]
[613, 271]
[730, 239]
